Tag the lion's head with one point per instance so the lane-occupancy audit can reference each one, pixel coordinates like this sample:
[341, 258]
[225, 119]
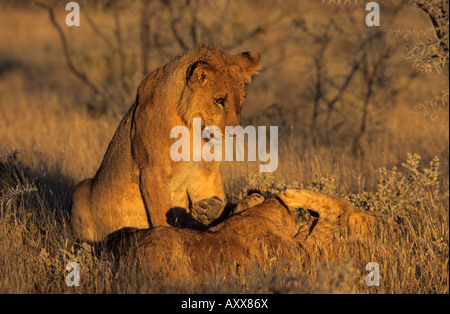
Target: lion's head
[215, 87]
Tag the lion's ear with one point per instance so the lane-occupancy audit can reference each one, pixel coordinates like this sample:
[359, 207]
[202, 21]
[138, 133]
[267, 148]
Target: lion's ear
[249, 63]
[198, 73]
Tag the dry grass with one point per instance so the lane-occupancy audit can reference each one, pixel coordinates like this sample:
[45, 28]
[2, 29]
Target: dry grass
[49, 141]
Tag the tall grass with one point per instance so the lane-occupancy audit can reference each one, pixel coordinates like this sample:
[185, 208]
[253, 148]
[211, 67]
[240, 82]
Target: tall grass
[49, 141]
[410, 244]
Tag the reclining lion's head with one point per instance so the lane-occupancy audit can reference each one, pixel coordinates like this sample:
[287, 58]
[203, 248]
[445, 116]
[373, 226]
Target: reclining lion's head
[215, 87]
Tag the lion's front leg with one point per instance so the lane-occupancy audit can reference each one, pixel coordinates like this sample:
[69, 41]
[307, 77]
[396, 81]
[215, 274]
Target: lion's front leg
[249, 201]
[208, 210]
[326, 206]
[157, 201]
[207, 196]
[334, 215]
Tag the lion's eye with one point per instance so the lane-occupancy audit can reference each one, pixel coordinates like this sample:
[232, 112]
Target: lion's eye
[220, 101]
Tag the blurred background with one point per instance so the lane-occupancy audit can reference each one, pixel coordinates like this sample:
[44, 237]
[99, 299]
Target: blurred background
[347, 98]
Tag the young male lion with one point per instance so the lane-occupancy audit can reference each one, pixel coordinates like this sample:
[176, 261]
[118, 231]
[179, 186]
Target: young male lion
[138, 184]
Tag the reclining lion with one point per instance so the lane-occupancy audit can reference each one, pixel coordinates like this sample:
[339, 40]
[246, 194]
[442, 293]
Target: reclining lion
[255, 235]
[138, 183]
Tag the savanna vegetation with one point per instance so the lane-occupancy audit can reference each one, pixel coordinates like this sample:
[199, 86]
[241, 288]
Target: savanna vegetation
[362, 113]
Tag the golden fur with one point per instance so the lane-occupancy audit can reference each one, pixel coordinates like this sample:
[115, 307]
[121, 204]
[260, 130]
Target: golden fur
[257, 235]
[138, 183]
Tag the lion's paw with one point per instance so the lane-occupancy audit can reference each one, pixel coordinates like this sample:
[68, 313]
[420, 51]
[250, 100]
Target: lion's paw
[208, 210]
[249, 201]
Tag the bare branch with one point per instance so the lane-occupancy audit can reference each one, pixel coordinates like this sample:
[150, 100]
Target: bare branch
[96, 29]
[145, 36]
[120, 50]
[173, 25]
[81, 75]
[260, 29]
[439, 17]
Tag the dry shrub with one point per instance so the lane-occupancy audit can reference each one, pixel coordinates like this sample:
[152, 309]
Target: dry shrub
[410, 245]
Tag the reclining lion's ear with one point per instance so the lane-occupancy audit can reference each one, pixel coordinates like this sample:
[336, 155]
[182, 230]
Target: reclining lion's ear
[249, 63]
[198, 73]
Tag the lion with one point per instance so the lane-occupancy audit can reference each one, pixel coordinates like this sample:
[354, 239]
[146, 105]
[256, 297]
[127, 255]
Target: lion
[138, 184]
[260, 234]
